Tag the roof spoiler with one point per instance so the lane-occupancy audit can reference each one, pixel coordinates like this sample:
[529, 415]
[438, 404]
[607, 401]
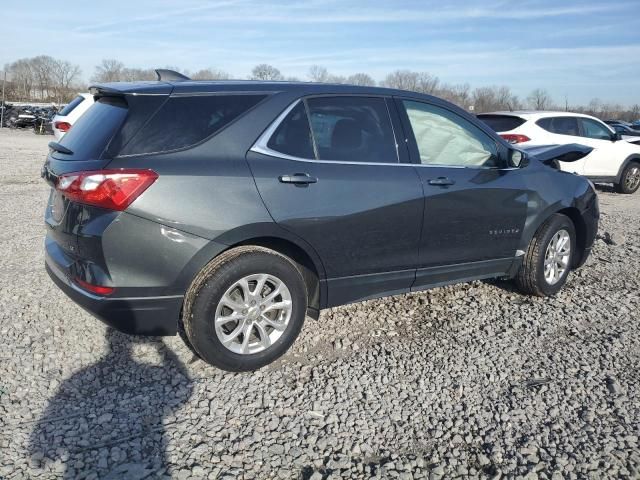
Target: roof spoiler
[170, 76]
[560, 153]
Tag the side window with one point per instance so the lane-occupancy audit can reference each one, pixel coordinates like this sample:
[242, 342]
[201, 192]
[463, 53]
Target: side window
[593, 129]
[445, 138]
[70, 107]
[293, 136]
[354, 129]
[560, 125]
[185, 121]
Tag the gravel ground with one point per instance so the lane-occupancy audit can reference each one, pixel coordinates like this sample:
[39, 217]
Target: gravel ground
[469, 380]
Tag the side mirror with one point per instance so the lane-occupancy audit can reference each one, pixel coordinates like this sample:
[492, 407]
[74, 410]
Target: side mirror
[616, 136]
[517, 159]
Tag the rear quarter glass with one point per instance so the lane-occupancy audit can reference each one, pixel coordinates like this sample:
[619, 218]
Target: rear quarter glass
[92, 132]
[184, 121]
[502, 123]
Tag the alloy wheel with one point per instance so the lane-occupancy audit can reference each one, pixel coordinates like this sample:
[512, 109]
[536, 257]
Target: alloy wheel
[253, 313]
[632, 179]
[557, 256]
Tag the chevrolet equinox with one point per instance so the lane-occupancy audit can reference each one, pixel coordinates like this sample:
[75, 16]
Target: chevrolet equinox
[229, 211]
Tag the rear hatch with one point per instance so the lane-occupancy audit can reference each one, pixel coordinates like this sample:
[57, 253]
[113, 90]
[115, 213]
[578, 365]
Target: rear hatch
[73, 229]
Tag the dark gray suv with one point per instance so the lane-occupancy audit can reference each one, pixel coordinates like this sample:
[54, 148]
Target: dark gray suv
[229, 211]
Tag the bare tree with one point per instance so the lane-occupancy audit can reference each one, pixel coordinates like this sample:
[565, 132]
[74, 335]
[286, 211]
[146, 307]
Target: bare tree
[137, 74]
[421, 82]
[42, 78]
[539, 99]
[210, 74]
[458, 94]
[66, 74]
[265, 72]
[318, 73]
[109, 70]
[362, 79]
[402, 80]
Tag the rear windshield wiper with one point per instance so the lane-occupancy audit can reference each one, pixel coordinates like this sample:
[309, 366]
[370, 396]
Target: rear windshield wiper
[60, 148]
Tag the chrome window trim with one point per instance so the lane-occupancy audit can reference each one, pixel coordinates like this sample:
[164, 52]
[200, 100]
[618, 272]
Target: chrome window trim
[261, 146]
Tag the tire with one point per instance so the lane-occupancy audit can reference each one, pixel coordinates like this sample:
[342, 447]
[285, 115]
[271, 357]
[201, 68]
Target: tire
[630, 179]
[205, 309]
[531, 279]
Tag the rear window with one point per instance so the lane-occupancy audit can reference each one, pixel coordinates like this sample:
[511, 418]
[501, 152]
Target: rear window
[71, 106]
[90, 135]
[184, 121]
[560, 125]
[502, 123]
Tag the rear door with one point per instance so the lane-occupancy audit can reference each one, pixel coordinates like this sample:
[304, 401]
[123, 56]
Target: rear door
[328, 171]
[563, 130]
[607, 155]
[475, 207]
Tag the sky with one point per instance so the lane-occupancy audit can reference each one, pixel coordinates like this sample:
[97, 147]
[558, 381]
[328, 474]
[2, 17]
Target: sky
[578, 49]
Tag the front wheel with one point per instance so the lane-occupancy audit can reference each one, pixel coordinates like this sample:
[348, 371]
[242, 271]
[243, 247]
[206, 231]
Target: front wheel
[245, 309]
[548, 259]
[630, 179]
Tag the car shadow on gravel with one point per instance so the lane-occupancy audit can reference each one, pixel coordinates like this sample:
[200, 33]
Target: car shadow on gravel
[108, 420]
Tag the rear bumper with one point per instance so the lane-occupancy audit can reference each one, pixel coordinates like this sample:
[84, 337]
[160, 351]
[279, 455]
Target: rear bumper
[135, 315]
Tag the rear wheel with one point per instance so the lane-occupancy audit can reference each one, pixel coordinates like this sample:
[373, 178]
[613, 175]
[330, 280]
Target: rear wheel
[245, 309]
[548, 259]
[630, 179]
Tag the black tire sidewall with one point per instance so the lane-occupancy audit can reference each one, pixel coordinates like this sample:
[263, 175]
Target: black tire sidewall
[559, 222]
[622, 188]
[203, 336]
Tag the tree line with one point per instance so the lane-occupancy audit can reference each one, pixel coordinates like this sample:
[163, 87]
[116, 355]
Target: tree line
[46, 79]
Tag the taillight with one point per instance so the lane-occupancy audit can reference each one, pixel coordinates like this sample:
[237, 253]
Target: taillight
[515, 138]
[99, 289]
[62, 126]
[110, 189]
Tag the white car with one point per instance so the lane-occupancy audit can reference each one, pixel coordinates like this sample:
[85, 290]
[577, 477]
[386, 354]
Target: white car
[612, 159]
[66, 117]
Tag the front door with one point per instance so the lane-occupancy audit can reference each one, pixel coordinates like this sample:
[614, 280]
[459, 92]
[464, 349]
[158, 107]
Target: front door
[339, 185]
[475, 207]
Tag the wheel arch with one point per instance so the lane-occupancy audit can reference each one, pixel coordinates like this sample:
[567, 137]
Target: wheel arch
[308, 268]
[635, 158]
[580, 227]
[575, 215]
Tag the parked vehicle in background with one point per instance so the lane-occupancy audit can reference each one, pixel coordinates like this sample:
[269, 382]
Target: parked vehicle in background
[67, 117]
[626, 132]
[612, 159]
[36, 116]
[616, 122]
[43, 123]
[237, 208]
[21, 117]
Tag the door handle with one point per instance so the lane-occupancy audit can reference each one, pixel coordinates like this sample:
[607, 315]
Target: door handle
[442, 181]
[298, 179]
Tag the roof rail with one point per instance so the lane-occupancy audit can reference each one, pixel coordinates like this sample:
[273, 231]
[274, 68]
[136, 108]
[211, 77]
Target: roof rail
[170, 76]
